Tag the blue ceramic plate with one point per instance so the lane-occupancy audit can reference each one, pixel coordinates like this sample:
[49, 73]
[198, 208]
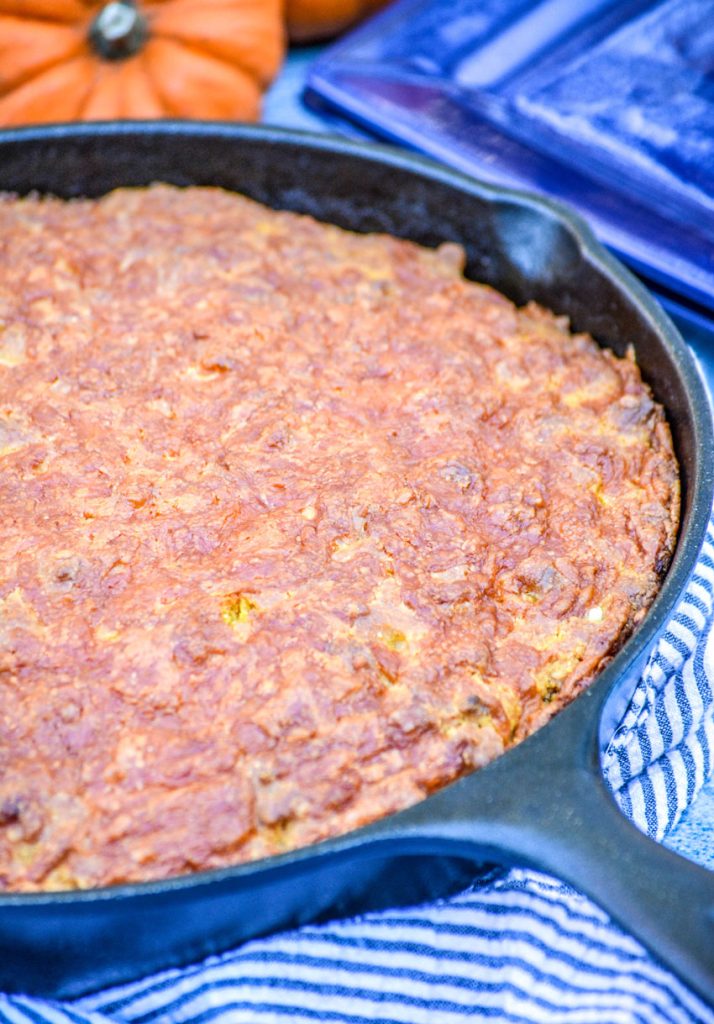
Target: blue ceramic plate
[608, 105]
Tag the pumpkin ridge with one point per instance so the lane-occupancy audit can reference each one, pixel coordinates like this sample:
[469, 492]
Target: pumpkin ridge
[51, 12]
[18, 28]
[155, 80]
[147, 90]
[35, 95]
[101, 72]
[27, 79]
[256, 43]
[169, 87]
[122, 89]
[236, 64]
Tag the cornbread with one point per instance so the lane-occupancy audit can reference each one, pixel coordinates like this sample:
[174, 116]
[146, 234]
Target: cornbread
[298, 525]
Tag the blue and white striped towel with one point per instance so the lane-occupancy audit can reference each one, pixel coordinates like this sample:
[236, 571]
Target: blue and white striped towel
[517, 947]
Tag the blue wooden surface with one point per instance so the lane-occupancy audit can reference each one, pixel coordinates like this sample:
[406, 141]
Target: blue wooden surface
[694, 836]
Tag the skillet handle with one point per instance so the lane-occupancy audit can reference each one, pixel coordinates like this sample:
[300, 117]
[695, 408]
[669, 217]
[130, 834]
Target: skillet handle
[546, 806]
[657, 896]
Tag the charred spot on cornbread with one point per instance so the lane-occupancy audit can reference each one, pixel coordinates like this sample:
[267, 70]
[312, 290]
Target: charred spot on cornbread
[298, 527]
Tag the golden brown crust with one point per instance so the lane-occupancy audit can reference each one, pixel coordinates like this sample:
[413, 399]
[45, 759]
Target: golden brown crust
[298, 526]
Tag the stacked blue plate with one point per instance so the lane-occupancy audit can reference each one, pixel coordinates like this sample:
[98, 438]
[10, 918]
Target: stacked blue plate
[608, 105]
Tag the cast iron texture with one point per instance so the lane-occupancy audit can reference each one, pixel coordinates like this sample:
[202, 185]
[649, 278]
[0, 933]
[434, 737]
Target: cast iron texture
[543, 804]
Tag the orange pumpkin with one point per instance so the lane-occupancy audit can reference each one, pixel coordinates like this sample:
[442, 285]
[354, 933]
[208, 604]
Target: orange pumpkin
[311, 20]
[64, 60]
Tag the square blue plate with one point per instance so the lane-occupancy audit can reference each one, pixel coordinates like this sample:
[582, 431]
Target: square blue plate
[606, 105]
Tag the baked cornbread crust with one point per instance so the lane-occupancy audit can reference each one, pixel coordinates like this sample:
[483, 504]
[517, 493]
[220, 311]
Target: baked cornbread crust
[297, 526]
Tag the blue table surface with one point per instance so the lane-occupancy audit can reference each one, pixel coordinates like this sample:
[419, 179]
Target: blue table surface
[694, 835]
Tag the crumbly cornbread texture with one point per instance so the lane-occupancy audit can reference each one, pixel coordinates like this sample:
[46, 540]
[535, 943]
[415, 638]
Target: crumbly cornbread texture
[297, 526]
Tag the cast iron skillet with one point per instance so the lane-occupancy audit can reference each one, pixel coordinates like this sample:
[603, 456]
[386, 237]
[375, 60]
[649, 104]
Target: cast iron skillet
[543, 804]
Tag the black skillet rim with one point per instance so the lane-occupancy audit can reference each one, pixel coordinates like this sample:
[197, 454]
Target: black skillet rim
[695, 519]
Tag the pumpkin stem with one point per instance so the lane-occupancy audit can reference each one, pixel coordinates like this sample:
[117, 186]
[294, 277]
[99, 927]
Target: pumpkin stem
[119, 30]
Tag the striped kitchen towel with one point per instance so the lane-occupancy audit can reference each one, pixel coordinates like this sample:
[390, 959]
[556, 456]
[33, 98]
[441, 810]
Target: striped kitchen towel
[516, 947]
